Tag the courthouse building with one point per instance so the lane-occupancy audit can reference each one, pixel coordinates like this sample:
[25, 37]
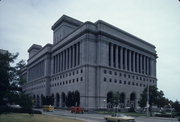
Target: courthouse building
[92, 59]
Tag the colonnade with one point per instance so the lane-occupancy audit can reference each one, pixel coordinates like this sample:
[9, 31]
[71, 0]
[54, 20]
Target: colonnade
[67, 58]
[126, 59]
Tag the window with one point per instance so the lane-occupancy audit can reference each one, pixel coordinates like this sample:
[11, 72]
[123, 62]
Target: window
[133, 83]
[129, 83]
[77, 72]
[129, 76]
[104, 79]
[124, 82]
[81, 71]
[124, 75]
[120, 74]
[73, 80]
[77, 79]
[110, 72]
[105, 71]
[137, 77]
[81, 78]
[110, 80]
[115, 81]
[73, 72]
[115, 73]
[120, 81]
[69, 81]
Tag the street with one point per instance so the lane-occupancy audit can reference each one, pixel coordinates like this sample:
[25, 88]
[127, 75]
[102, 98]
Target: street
[93, 117]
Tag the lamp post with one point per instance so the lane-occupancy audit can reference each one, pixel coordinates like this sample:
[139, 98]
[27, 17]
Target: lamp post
[171, 110]
[104, 103]
[147, 102]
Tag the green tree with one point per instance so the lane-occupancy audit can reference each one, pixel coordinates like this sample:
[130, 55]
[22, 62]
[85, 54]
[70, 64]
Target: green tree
[176, 106]
[10, 82]
[155, 97]
[7, 76]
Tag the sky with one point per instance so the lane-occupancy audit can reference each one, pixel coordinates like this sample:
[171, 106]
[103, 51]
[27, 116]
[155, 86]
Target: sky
[25, 22]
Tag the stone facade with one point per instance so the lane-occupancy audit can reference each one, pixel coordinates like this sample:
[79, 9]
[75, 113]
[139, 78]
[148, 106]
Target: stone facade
[93, 59]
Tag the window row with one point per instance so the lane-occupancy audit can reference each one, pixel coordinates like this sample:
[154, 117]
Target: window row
[36, 87]
[124, 82]
[122, 58]
[126, 75]
[67, 75]
[67, 59]
[66, 82]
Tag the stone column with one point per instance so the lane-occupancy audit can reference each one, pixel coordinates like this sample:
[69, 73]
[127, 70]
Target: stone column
[67, 58]
[137, 63]
[150, 66]
[125, 58]
[112, 63]
[71, 56]
[129, 60]
[140, 63]
[73, 59]
[121, 57]
[144, 64]
[61, 62]
[77, 54]
[69, 61]
[133, 61]
[55, 64]
[117, 63]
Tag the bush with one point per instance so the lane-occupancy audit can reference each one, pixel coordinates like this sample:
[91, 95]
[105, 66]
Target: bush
[168, 115]
[18, 110]
[177, 113]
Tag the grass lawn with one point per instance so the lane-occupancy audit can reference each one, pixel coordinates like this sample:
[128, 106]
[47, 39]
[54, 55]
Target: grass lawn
[18, 117]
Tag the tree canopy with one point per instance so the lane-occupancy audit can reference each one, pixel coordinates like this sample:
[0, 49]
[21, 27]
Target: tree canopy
[155, 97]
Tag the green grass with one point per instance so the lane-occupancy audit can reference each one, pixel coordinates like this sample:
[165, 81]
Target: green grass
[18, 117]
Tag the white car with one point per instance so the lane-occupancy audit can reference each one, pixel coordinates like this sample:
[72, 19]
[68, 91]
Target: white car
[119, 118]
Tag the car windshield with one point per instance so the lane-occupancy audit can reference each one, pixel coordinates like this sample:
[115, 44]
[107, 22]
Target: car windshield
[119, 115]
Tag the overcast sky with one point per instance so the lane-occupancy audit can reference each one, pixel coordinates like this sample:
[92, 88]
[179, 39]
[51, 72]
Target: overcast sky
[25, 22]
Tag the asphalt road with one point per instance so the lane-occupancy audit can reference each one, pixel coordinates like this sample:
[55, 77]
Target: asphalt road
[93, 117]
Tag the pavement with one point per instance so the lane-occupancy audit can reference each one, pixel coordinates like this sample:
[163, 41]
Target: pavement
[93, 117]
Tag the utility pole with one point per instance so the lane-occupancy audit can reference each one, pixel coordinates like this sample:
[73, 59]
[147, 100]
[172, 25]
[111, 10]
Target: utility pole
[147, 102]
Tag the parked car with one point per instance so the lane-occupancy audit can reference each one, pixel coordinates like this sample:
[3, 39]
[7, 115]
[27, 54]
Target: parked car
[77, 110]
[48, 108]
[119, 118]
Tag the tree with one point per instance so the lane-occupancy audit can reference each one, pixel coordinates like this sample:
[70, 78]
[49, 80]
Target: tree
[176, 106]
[7, 76]
[11, 92]
[155, 97]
